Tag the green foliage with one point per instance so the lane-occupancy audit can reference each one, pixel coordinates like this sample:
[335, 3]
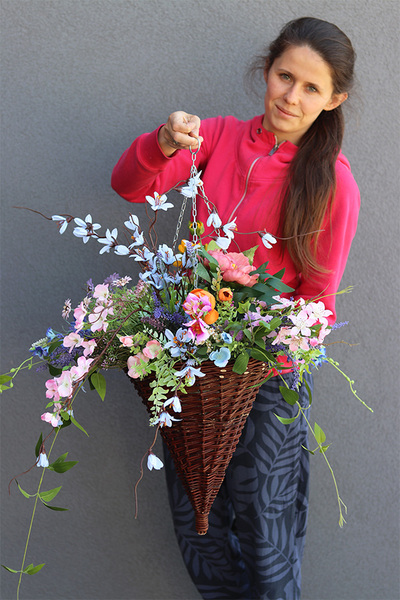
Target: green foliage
[61, 465]
[38, 445]
[290, 396]
[99, 383]
[240, 364]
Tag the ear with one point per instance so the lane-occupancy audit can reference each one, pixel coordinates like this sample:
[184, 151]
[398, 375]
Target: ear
[336, 100]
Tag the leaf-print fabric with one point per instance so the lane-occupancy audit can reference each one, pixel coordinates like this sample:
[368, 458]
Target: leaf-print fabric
[254, 545]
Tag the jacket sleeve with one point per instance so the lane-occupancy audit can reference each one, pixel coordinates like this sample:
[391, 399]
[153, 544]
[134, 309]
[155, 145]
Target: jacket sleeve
[143, 168]
[334, 242]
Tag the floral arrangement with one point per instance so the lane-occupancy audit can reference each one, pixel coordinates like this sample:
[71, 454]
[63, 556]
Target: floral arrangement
[192, 304]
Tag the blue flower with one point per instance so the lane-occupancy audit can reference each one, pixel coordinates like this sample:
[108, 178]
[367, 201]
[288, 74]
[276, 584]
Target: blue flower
[220, 357]
[321, 358]
[227, 338]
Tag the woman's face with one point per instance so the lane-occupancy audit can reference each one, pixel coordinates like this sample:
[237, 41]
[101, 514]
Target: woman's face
[299, 88]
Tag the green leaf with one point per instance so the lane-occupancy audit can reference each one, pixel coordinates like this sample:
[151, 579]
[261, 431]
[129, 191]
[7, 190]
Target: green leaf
[75, 422]
[3, 387]
[60, 459]
[274, 323]
[50, 494]
[99, 383]
[285, 421]
[259, 354]
[63, 466]
[54, 345]
[323, 449]
[250, 253]
[10, 570]
[54, 371]
[308, 391]
[31, 570]
[54, 507]
[5, 378]
[240, 364]
[319, 434]
[211, 259]
[290, 396]
[38, 445]
[202, 272]
[24, 493]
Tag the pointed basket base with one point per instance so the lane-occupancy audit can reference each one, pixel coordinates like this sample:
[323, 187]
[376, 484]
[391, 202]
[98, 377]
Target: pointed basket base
[213, 415]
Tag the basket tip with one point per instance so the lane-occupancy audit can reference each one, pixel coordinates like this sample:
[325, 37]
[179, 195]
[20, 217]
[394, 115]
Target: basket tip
[201, 523]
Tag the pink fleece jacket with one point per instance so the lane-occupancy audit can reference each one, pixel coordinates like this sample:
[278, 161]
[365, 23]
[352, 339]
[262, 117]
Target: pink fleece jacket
[243, 171]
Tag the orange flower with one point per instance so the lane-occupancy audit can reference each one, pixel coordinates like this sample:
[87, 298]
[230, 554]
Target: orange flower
[225, 294]
[211, 317]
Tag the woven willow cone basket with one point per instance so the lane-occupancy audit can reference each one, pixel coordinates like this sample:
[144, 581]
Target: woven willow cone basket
[213, 415]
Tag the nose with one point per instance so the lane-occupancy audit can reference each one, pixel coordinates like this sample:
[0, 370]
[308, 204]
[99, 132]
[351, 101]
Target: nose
[292, 95]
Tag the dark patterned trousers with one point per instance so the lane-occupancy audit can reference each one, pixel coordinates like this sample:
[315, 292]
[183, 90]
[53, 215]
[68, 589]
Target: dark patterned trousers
[254, 545]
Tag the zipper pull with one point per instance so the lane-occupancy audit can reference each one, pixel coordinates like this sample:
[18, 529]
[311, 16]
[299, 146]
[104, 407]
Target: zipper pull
[273, 150]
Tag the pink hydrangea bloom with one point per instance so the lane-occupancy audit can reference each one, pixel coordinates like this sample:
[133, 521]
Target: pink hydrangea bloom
[101, 292]
[83, 367]
[134, 369]
[152, 349]
[80, 313]
[52, 418]
[235, 266]
[89, 346]
[52, 389]
[64, 384]
[72, 340]
[126, 340]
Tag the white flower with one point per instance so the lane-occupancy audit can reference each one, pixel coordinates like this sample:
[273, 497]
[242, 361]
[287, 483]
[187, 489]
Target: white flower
[62, 225]
[223, 243]
[109, 240]
[43, 461]
[268, 239]
[137, 240]
[190, 190]
[159, 202]
[229, 228]
[214, 220]
[153, 462]
[132, 223]
[121, 250]
[165, 419]
[85, 228]
[176, 403]
[167, 255]
[143, 254]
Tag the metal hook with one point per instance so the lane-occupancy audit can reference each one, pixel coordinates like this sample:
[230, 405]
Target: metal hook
[194, 152]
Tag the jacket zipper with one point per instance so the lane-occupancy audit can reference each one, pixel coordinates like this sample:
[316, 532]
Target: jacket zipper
[270, 153]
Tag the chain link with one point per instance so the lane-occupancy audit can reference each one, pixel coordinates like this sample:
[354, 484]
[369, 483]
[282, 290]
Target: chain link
[201, 192]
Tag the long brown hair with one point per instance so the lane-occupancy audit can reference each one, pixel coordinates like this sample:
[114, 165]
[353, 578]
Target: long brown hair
[311, 179]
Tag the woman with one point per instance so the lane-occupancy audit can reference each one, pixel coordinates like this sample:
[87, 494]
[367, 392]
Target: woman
[281, 173]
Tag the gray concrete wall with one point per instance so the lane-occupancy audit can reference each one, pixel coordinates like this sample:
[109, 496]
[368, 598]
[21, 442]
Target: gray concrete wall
[82, 78]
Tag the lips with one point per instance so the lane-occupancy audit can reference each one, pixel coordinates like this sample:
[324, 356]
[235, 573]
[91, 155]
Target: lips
[285, 112]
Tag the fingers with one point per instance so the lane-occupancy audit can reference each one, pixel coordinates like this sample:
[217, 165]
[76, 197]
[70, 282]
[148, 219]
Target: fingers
[180, 132]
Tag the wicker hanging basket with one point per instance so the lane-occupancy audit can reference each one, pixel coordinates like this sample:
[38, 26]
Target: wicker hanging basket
[213, 415]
